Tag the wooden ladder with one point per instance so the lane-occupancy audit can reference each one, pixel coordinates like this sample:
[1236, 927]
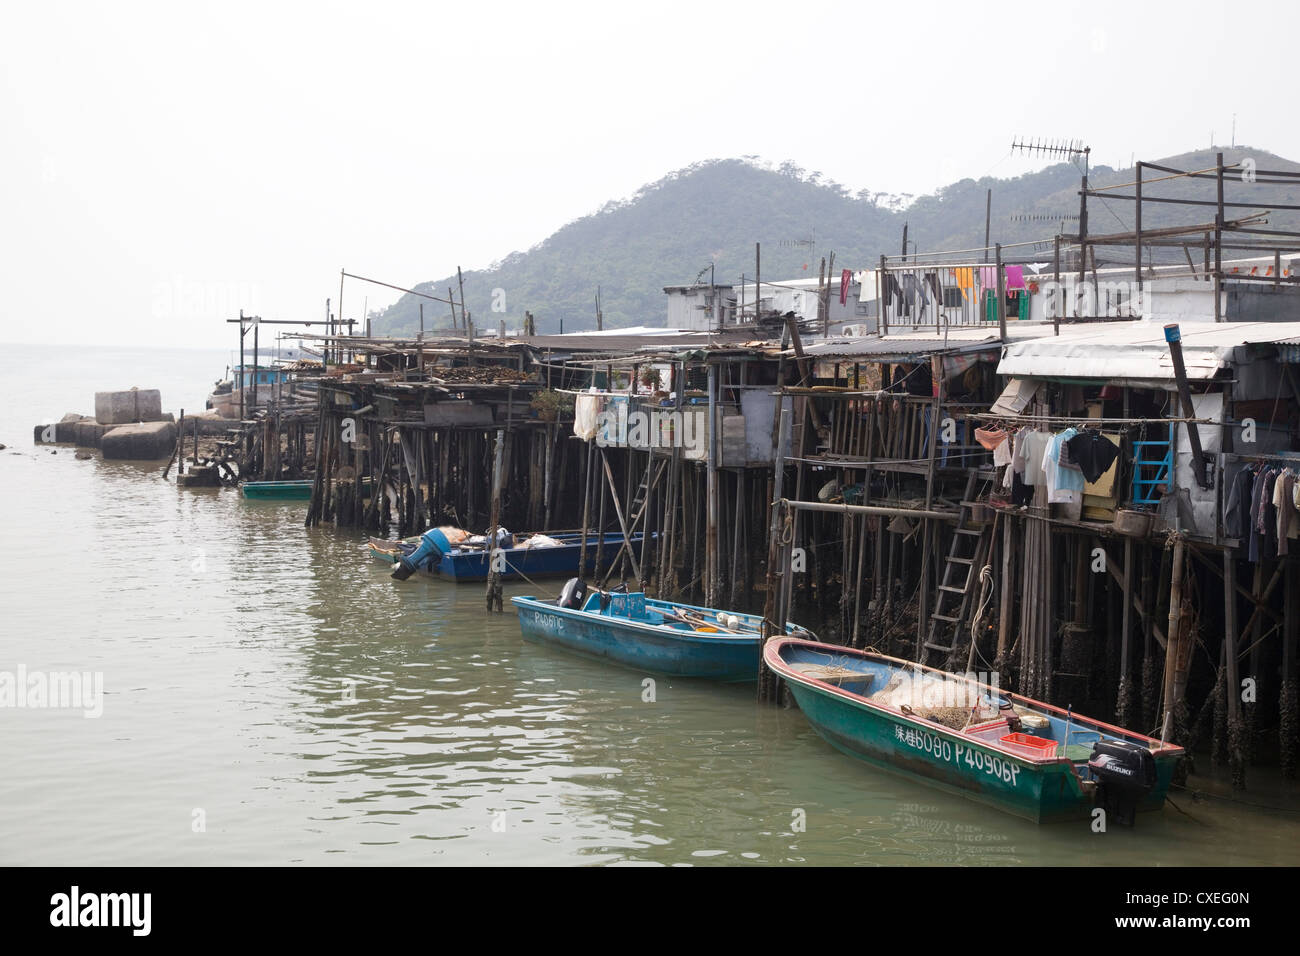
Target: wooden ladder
[960, 576]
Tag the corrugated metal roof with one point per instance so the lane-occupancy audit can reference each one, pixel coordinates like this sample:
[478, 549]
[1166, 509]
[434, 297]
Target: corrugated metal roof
[1136, 351]
[918, 342]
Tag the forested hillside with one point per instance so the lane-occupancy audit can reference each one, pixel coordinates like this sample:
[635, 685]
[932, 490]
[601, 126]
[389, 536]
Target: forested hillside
[710, 214]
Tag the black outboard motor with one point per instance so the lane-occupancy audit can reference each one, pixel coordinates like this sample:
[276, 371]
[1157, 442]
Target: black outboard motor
[574, 593]
[403, 569]
[1125, 772]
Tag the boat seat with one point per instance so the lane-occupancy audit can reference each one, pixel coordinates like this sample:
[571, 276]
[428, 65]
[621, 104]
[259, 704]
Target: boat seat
[836, 675]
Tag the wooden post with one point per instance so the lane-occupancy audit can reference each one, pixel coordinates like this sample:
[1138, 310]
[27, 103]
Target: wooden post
[1231, 680]
[463, 320]
[1137, 229]
[772, 627]
[1056, 285]
[586, 509]
[178, 451]
[1173, 638]
[618, 511]
[711, 496]
[1290, 718]
[1218, 242]
[255, 363]
[1007, 596]
[882, 313]
[1002, 297]
[495, 553]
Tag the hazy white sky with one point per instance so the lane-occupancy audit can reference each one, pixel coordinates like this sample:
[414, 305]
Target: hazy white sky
[165, 164]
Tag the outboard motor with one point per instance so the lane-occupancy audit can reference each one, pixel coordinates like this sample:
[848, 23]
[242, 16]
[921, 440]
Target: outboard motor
[574, 593]
[1125, 772]
[403, 569]
[1008, 713]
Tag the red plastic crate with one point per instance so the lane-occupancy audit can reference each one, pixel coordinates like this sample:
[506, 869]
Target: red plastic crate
[1029, 745]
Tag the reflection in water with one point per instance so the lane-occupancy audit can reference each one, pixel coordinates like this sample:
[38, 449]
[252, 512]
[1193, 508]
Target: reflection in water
[273, 696]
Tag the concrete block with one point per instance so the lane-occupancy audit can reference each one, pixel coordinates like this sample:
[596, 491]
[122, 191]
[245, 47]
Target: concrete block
[133, 405]
[200, 476]
[66, 429]
[88, 433]
[146, 441]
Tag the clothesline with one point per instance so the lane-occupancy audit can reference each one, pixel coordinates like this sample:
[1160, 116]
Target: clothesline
[1291, 459]
[1087, 422]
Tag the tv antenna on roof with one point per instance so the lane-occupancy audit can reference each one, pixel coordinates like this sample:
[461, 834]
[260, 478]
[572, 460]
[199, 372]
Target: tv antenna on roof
[1072, 148]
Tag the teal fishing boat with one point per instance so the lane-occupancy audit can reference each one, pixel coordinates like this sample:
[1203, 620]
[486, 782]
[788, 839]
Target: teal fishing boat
[970, 738]
[285, 490]
[658, 637]
[277, 490]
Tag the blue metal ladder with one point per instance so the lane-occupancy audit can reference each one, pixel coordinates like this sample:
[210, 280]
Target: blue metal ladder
[1145, 488]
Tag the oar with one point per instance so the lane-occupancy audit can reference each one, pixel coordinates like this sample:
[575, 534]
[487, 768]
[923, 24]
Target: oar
[699, 620]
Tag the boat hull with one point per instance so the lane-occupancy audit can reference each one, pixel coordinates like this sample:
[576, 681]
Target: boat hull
[277, 490]
[532, 563]
[644, 647]
[1040, 790]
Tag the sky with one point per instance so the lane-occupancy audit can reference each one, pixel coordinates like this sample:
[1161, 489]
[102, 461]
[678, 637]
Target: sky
[165, 165]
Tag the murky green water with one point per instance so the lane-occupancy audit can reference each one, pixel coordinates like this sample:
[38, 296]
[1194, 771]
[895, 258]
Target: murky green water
[230, 638]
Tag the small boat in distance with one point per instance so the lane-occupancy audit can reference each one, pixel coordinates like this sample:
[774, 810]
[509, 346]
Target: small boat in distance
[297, 490]
[1010, 752]
[467, 557]
[277, 490]
[659, 637]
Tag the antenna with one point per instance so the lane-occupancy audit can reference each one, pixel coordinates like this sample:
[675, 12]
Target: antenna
[1040, 217]
[1071, 148]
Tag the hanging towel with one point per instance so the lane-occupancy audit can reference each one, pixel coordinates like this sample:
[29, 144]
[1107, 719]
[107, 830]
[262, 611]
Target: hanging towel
[1015, 277]
[965, 280]
[989, 277]
[586, 416]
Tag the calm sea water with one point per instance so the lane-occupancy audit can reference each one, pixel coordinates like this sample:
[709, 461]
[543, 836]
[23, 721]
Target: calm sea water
[229, 638]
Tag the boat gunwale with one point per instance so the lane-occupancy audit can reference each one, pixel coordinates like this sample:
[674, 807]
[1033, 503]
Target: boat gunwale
[771, 656]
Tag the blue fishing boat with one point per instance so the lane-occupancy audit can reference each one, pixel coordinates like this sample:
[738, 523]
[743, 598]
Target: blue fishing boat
[659, 637]
[970, 738]
[443, 554]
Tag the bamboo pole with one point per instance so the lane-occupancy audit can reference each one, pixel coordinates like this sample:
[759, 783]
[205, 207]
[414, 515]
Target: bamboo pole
[495, 553]
[1173, 638]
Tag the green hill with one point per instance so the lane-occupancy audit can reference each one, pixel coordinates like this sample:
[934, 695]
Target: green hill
[713, 212]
